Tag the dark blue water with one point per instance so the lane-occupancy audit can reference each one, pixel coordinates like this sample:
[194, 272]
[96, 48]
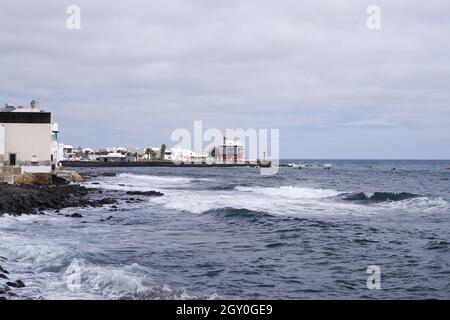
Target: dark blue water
[232, 233]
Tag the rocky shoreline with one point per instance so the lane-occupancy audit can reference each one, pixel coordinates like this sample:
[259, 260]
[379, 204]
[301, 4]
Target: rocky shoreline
[18, 200]
[6, 288]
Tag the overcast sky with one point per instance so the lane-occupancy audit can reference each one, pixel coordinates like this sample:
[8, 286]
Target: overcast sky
[137, 70]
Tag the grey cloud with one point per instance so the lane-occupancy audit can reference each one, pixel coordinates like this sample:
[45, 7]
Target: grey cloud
[139, 69]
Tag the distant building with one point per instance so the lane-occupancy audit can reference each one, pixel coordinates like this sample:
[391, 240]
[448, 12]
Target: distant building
[115, 157]
[184, 155]
[65, 152]
[232, 151]
[26, 138]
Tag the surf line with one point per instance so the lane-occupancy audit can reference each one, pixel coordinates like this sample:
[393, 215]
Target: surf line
[186, 310]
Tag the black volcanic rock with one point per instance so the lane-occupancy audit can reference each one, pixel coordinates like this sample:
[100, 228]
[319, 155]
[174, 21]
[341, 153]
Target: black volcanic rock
[16, 284]
[76, 215]
[145, 193]
[21, 199]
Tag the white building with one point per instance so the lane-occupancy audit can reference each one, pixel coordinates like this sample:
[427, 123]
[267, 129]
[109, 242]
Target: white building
[185, 155]
[115, 157]
[232, 151]
[26, 138]
[65, 152]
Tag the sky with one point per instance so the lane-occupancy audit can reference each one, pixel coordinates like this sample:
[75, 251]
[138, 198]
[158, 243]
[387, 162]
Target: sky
[137, 70]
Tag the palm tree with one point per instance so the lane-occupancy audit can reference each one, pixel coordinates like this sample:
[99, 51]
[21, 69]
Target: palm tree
[162, 152]
[150, 153]
[214, 152]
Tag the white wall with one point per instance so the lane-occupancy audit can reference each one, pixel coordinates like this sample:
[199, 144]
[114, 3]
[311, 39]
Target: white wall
[2, 140]
[37, 169]
[27, 140]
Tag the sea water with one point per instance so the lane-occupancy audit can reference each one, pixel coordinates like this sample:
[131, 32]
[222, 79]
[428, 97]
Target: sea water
[219, 233]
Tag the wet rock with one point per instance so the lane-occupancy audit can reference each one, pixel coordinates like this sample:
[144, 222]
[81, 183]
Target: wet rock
[20, 284]
[2, 276]
[4, 288]
[18, 200]
[102, 202]
[145, 193]
[109, 218]
[76, 215]
[16, 284]
[108, 174]
[59, 180]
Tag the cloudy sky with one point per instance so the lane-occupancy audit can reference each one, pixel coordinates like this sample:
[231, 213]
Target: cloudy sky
[137, 70]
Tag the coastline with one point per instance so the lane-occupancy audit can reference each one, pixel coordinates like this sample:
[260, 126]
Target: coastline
[32, 199]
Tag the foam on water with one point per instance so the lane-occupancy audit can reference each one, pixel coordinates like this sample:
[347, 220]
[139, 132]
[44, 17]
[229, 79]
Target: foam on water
[422, 204]
[203, 200]
[293, 192]
[292, 200]
[135, 182]
[55, 270]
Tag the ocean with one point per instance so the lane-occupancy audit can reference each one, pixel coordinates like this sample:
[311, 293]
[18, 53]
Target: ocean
[230, 233]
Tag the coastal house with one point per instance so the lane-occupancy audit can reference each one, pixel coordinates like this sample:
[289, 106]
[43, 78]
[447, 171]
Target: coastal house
[115, 157]
[65, 152]
[26, 138]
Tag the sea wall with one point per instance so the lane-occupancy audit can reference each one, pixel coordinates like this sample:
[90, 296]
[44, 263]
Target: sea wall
[14, 175]
[33, 179]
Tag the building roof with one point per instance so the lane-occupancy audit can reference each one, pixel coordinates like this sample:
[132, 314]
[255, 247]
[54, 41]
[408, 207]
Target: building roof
[232, 143]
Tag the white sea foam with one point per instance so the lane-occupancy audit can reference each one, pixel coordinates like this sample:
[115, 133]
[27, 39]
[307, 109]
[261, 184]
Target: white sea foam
[420, 204]
[293, 192]
[49, 267]
[135, 182]
[291, 200]
[299, 201]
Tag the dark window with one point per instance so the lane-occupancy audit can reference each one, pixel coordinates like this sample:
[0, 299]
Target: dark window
[25, 117]
[12, 159]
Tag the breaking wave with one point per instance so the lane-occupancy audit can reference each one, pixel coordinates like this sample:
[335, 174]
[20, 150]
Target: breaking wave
[380, 196]
[228, 212]
[293, 192]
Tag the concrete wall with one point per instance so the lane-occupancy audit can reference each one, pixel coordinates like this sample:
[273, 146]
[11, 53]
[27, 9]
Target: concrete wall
[27, 140]
[33, 178]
